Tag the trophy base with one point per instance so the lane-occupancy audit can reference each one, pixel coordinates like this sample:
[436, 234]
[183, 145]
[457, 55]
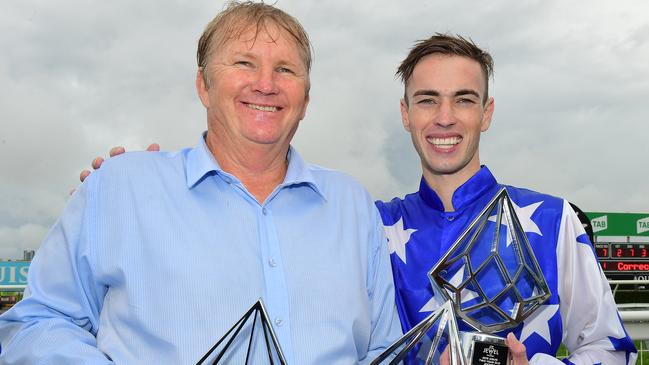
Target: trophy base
[484, 349]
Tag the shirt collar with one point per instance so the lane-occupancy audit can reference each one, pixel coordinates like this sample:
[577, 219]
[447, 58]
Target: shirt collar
[467, 193]
[299, 173]
[201, 162]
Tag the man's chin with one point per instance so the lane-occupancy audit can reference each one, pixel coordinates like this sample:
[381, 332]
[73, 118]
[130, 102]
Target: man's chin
[449, 169]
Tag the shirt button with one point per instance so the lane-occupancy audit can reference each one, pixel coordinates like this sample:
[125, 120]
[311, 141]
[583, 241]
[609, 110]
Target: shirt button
[264, 211]
[272, 263]
[450, 219]
[279, 321]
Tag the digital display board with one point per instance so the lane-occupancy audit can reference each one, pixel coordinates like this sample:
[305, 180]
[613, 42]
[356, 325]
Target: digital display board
[625, 266]
[622, 251]
[623, 259]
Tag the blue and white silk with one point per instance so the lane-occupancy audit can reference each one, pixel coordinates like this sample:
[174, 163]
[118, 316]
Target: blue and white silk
[581, 311]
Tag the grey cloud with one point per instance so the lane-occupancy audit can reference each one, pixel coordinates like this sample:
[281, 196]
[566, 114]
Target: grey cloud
[571, 85]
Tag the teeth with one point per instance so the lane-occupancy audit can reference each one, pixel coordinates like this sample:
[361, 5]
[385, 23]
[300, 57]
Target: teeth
[263, 108]
[444, 142]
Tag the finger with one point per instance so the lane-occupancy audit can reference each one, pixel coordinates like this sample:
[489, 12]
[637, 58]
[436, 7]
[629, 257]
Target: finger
[516, 350]
[445, 358]
[96, 163]
[116, 151]
[84, 174]
[153, 147]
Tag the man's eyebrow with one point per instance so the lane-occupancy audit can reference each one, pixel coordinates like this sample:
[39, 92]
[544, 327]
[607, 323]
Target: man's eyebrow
[426, 93]
[246, 54]
[461, 92]
[253, 56]
[467, 92]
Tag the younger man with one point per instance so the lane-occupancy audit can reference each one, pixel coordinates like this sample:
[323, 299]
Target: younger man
[445, 108]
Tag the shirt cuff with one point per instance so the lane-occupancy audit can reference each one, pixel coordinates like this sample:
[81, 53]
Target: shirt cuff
[545, 359]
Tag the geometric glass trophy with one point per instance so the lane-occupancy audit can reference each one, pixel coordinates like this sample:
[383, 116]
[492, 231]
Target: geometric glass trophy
[251, 340]
[492, 277]
[431, 340]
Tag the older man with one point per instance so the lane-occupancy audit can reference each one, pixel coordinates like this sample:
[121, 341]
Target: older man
[157, 255]
[445, 108]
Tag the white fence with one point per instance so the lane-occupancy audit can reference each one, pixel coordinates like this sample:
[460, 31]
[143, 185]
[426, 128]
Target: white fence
[634, 315]
[11, 287]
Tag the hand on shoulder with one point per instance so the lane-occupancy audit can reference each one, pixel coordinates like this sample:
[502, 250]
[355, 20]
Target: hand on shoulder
[96, 163]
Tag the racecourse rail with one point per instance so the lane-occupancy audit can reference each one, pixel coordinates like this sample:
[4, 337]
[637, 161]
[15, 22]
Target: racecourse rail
[634, 315]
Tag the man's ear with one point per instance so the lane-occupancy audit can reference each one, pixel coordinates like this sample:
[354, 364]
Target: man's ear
[488, 113]
[201, 88]
[306, 104]
[404, 114]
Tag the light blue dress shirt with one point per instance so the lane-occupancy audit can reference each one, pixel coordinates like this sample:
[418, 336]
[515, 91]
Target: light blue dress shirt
[157, 255]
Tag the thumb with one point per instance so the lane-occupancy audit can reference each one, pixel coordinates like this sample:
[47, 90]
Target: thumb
[516, 350]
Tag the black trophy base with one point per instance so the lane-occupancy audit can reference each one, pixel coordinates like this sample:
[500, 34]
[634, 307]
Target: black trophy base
[484, 349]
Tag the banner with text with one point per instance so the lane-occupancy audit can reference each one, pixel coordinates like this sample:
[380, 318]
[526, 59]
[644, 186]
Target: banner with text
[13, 272]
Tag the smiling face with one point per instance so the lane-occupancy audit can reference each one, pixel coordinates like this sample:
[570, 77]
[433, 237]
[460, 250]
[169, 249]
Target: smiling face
[257, 90]
[445, 115]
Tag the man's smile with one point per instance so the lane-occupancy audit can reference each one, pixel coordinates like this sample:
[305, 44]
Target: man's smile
[444, 142]
[263, 108]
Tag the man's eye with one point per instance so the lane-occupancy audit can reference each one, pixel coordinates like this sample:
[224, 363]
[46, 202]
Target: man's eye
[243, 63]
[426, 101]
[466, 101]
[284, 70]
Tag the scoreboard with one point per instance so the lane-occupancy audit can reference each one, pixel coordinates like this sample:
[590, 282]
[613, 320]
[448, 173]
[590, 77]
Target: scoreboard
[622, 244]
[624, 260]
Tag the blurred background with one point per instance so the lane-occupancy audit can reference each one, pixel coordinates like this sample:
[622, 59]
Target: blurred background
[571, 87]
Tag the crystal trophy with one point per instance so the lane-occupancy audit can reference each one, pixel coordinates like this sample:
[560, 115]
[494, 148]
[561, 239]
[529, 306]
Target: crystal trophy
[493, 279]
[251, 340]
[432, 341]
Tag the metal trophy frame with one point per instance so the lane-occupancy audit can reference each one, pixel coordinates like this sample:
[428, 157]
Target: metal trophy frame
[443, 316]
[520, 291]
[270, 339]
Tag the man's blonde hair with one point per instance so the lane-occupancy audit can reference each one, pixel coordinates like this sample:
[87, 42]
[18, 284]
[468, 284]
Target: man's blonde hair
[237, 18]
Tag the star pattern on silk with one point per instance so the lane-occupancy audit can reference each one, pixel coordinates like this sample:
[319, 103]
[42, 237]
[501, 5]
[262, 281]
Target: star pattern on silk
[430, 305]
[539, 322]
[524, 215]
[455, 281]
[397, 238]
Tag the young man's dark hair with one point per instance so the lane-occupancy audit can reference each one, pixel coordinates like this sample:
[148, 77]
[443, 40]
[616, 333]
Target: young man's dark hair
[445, 44]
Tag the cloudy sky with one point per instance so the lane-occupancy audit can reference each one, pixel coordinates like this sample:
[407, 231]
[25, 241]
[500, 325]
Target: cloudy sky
[571, 88]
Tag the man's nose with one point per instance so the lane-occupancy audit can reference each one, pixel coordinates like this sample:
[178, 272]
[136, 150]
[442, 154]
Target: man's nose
[446, 115]
[265, 81]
